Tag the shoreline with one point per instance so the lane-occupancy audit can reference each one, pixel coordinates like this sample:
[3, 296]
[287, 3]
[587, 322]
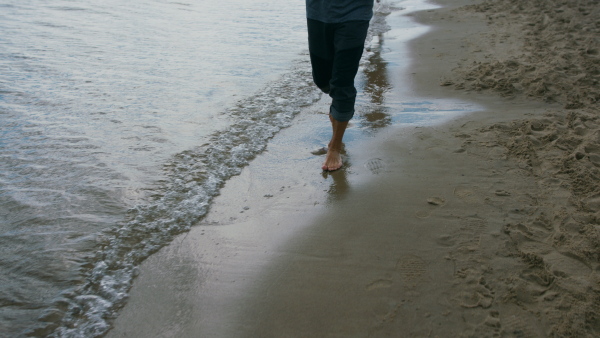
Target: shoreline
[480, 226]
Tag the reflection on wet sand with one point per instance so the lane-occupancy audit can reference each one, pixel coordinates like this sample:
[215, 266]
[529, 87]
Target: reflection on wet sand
[375, 86]
[340, 186]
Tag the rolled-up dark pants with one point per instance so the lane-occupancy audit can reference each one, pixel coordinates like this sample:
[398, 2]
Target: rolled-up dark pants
[335, 52]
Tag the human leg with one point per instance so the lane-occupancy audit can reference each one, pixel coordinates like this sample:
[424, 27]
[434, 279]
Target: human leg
[321, 49]
[333, 160]
[348, 44]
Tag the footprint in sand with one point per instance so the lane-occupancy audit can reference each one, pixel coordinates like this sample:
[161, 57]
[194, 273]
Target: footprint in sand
[516, 326]
[503, 193]
[539, 125]
[379, 284]
[421, 214]
[466, 194]
[535, 248]
[471, 231]
[479, 296]
[411, 268]
[462, 192]
[563, 266]
[536, 231]
[438, 201]
[375, 165]
[446, 241]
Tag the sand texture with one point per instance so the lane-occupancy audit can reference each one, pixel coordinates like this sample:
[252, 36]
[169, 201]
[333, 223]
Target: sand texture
[557, 234]
[485, 226]
[546, 49]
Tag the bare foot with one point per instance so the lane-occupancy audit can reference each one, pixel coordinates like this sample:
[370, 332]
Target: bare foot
[333, 161]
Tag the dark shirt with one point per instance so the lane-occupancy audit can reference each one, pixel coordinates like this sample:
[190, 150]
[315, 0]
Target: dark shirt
[336, 11]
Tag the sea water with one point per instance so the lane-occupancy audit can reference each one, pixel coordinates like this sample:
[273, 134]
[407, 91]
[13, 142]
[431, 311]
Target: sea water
[120, 121]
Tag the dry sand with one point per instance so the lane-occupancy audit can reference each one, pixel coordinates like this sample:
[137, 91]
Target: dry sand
[488, 225]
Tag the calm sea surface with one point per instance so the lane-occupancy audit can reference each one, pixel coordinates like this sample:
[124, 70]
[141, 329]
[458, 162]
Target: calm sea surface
[119, 122]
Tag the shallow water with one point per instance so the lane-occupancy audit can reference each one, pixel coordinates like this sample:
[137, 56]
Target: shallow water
[119, 123]
[97, 101]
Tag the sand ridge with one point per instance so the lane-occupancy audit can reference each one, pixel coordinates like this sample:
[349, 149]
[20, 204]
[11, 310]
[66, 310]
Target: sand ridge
[544, 50]
[558, 237]
[552, 236]
[548, 49]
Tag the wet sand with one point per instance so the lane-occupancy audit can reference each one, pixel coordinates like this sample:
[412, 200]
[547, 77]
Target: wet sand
[486, 225]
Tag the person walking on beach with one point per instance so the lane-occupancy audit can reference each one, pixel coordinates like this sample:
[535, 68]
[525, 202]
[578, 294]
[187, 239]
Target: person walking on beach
[337, 30]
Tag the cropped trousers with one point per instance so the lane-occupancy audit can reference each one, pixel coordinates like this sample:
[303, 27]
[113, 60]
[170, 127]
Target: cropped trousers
[335, 52]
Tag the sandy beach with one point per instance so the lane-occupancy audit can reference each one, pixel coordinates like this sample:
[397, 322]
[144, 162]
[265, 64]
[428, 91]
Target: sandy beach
[485, 225]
